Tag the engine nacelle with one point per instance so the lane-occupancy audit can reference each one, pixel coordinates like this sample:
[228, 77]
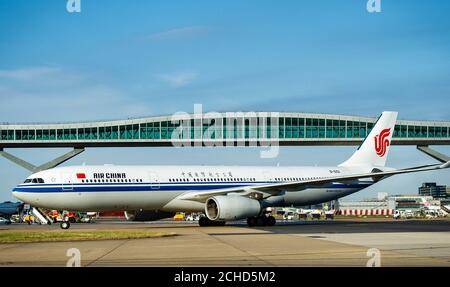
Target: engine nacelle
[231, 207]
[147, 215]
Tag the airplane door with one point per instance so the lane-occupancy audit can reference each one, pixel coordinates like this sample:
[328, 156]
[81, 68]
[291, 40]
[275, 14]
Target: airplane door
[67, 182]
[154, 180]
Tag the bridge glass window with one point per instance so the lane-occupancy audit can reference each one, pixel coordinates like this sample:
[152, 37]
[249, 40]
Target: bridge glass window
[437, 132]
[18, 135]
[329, 129]
[321, 126]
[268, 128]
[156, 130]
[281, 133]
[9, 135]
[135, 131]
[65, 134]
[431, 132]
[46, 134]
[301, 127]
[294, 128]
[59, 134]
[288, 128]
[309, 128]
[28, 135]
[362, 130]
[403, 131]
[114, 132]
[411, 132]
[164, 131]
[52, 134]
[82, 134]
[90, 133]
[102, 134]
[143, 130]
[423, 132]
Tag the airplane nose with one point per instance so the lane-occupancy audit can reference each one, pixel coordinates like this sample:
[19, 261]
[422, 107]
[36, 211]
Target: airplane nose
[17, 195]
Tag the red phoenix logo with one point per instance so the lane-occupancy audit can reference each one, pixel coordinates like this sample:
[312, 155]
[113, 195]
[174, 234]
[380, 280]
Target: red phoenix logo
[381, 142]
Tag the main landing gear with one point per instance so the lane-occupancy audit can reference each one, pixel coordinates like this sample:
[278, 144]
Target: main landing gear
[204, 221]
[261, 221]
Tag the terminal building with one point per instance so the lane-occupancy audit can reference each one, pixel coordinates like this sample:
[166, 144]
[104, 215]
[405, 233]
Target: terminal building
[434, 190]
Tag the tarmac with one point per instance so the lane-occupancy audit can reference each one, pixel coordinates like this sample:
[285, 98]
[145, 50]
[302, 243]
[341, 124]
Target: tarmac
[347, 242]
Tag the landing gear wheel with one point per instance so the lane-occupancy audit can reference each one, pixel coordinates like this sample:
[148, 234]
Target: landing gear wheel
[65, 225]
[271, 221]
[203, 221]
[251, 221]
[261, 221]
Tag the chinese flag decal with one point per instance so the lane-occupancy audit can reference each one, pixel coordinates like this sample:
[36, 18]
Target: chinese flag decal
[81, 175]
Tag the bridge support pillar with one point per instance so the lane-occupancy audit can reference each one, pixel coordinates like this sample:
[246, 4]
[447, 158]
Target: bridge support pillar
[51, 164]
[434, 154]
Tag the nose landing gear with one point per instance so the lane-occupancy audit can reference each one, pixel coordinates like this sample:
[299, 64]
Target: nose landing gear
[65, 225]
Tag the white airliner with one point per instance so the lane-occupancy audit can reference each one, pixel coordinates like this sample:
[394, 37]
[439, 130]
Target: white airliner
[223, 193]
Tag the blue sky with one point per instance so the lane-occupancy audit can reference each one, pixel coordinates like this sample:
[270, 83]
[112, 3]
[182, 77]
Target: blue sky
[120, 59]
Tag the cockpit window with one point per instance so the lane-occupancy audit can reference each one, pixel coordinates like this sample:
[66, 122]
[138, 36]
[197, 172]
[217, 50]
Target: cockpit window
[34, 180]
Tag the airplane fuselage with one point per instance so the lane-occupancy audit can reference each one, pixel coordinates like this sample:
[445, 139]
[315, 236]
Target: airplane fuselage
[107, 188]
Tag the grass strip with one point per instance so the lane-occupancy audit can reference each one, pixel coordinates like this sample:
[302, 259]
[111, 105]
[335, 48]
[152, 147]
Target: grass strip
[21, 236]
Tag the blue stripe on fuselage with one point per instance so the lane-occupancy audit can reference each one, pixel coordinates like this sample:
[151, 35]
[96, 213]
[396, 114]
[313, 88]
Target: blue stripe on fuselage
[127, 187]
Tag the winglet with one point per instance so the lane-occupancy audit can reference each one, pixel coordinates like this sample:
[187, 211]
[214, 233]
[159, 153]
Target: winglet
[445, 165]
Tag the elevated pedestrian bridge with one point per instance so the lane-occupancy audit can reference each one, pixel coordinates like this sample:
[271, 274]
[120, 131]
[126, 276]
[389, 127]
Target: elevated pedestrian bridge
[214, 129]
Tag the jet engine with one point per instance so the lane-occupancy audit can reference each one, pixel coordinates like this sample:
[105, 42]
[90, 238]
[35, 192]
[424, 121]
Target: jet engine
[231, 207]
[147, 215]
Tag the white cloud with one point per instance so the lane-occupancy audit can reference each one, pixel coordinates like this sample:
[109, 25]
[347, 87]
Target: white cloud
[46, 94]
[178, 79]
[30, 73]
[179, 33]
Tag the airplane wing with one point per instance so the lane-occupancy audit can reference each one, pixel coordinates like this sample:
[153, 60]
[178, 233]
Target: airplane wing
[280, 188]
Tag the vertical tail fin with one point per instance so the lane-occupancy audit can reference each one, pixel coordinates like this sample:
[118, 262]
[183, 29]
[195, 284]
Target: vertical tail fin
[375, 148]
